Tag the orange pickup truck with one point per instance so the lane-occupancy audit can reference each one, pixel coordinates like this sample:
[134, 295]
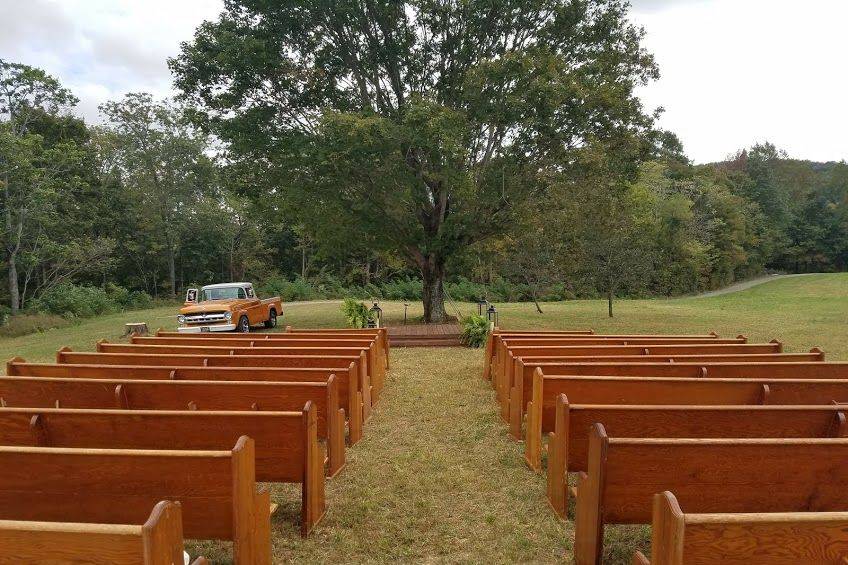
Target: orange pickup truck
[227, 307]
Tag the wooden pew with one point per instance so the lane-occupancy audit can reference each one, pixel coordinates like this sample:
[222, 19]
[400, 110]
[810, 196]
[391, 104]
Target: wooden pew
[499, 373]
[281, 439]
[346, 379]
[541, 412]
[125, 394]
[774, 538]
[374, 369]
[383, 333]
[706, 475]
[523, 382]
[501, 342]
[373, 345]
[158, 541]
[568, 444]
[67, 356]
[490, 339]
[574, 353]
[542, 353]
[216, 489]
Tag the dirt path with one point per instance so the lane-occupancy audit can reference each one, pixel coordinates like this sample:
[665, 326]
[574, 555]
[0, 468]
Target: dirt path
[744, 285]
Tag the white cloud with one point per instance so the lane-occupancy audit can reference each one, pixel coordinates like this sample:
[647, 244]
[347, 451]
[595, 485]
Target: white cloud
[737, 72]
[734, 72]
[101, 49]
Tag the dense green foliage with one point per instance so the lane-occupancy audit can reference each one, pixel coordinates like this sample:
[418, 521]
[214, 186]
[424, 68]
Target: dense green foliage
[475, 330]
[418, 128]
[397, 152]
[356, 313]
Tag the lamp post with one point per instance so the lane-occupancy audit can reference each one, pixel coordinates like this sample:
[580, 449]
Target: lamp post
[377, 315]
[492, 316]
[405, 307]
[481, 306]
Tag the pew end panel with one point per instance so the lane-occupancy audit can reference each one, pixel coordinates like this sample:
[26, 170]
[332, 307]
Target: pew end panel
[313, 502]
[588, 522]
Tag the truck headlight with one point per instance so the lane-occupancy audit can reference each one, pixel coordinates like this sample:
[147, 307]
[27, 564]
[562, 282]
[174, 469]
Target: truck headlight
[228, 316]
[181, 319]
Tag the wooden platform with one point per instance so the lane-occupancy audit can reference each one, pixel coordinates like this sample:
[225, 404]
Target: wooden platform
[425, 335]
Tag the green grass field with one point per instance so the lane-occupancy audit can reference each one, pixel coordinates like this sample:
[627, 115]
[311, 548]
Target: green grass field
[436, 478]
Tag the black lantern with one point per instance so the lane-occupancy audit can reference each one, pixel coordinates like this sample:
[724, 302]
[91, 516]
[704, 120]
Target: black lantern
[481, 306]
[405, 307]
[377, 315]
[492, 315]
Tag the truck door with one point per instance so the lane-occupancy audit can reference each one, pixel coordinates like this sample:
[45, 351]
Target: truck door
[255, 310]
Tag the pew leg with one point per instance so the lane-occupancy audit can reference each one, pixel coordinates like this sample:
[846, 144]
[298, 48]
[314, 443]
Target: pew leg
[557, 483]
[262, 529]
[336, 443]
[356, 419]
[533, 438]
[515, 414]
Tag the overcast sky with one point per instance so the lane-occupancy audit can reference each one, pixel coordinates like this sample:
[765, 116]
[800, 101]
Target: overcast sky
[734, 72]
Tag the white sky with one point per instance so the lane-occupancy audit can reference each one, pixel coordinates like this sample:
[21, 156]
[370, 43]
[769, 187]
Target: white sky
[734, 72]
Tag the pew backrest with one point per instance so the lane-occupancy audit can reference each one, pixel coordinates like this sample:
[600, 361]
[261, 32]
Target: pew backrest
[66, 356]
[157, 541]
[347, 380]
[281, 441]
[541, 409]
[706, 475]
[785, 538]
[568, 444]
[216, 489]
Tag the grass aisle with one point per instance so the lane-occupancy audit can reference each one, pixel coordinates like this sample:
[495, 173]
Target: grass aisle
[435, 478]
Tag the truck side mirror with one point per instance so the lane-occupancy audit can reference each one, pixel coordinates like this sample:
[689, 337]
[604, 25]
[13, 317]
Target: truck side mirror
[191, 296]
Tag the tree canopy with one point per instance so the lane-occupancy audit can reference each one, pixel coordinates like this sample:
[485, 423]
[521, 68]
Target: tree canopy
[421, 126]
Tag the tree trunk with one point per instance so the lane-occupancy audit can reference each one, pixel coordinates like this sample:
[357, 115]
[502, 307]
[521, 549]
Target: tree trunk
[172, 271]
[533, 294]
[14, 294]
[433, 276]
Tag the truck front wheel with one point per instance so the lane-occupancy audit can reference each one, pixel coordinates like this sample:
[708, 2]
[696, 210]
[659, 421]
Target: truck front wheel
[244, 325]
[272, 319]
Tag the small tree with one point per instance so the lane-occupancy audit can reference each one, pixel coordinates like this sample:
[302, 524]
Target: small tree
[33, 171]
[162, 160]
[613, 249]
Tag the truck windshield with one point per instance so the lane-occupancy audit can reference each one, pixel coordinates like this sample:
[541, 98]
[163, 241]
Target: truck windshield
[225, 293]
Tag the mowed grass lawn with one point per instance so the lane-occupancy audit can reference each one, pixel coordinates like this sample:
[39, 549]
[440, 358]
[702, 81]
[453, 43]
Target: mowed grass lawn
[435, 477]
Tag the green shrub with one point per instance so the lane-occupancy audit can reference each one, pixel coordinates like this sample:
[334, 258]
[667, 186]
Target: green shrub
[24, 324]
[72, 300]
[403, 289]
[463, 290]
[289, 291]
[128, 299]
[356, 313]
[475, 330]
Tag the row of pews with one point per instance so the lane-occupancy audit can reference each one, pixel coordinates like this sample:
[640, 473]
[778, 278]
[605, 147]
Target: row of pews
[116, 455]
[734, 452]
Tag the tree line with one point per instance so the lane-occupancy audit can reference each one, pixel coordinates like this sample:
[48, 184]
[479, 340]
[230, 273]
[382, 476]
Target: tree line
[380, 149]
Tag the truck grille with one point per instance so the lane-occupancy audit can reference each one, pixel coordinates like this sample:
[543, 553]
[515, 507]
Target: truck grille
[205, 318]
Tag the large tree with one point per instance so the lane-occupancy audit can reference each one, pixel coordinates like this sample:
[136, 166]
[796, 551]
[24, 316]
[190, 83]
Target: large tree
[162, 161]
[40, 164]
[421, 126]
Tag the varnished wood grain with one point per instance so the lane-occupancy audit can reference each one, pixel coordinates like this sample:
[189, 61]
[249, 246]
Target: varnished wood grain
[348, 379]
[111, 486]
[158, 541]
[707, 476]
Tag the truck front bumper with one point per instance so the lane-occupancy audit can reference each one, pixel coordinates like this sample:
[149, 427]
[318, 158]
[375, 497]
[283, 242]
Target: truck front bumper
[209, 328]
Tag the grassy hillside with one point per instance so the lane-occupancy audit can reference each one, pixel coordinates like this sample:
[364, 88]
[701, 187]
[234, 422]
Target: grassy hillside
[436, 478]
